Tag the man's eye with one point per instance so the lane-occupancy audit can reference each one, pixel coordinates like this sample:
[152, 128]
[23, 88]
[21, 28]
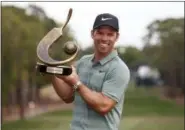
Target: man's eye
[100, 33]
[110, 34]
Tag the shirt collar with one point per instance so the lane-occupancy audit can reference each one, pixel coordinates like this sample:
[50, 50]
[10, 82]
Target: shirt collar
[109, 57]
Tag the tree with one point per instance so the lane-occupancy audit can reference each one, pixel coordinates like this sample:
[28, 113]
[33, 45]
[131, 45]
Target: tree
[132, 56]
[168, 51]
[21, 34]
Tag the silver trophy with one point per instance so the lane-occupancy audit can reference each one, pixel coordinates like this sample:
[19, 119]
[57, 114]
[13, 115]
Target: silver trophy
[47, 64]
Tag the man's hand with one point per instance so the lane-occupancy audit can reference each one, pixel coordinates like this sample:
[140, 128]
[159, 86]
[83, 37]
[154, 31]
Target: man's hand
[72, 79]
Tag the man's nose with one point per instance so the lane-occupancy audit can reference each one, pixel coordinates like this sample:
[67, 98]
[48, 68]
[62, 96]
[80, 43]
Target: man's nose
[105, 37]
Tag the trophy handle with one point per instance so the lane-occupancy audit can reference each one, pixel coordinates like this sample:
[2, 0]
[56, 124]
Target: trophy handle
[67, 20]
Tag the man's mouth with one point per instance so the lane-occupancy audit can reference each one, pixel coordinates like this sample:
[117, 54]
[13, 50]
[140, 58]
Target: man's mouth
[104, 44]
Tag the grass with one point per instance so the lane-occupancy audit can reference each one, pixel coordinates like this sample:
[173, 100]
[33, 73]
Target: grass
[142, 111]
[144, 102]
[152, 123]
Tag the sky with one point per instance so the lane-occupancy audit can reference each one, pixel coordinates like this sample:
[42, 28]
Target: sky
[134, 17]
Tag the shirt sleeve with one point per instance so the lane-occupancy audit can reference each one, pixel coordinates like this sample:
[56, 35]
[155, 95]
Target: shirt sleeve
[116, 83]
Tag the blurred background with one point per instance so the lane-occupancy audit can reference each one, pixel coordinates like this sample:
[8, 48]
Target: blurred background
[151, 43]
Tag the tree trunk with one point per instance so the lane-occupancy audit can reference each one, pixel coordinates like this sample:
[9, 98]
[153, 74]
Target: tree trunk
[33, 89]
[23, 93]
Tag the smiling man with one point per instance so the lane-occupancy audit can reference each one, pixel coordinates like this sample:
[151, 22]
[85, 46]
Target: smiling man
[98, 83]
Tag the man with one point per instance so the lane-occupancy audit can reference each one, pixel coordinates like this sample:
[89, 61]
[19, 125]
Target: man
[98, 82]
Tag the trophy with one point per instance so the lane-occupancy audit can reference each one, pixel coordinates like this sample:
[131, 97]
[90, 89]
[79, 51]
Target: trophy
[48, 65]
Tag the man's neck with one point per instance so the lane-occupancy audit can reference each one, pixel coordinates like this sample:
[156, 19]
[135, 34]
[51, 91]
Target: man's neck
[98, 56]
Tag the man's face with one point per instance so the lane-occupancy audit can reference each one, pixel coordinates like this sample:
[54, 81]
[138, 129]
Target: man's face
[104, 39]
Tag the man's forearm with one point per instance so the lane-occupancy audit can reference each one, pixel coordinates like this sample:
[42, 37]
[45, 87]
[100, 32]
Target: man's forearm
[63, 90]
[96, 100]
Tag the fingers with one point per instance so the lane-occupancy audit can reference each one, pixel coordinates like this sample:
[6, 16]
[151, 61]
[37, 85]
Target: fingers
[59, 76]
[73, 68]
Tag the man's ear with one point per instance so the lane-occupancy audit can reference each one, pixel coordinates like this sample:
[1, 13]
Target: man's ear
[92, 33]
[117, 37]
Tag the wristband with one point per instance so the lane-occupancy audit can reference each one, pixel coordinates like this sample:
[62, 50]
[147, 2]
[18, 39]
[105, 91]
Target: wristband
[76, 86]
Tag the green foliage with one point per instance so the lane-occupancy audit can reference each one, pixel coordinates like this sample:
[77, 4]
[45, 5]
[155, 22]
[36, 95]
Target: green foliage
[168, 53]
[87, 51]
[21, 33]
[131, 56]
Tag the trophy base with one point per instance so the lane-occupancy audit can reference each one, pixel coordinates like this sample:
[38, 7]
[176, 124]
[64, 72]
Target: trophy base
[54, 70]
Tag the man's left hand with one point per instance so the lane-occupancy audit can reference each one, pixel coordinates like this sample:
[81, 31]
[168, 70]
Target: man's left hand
[71, 79]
